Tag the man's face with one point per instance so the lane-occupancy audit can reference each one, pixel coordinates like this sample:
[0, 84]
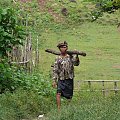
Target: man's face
[63, 49]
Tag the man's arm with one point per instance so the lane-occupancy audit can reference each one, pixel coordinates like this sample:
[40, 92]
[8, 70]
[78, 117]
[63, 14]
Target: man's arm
[76, 60]
[55, 73]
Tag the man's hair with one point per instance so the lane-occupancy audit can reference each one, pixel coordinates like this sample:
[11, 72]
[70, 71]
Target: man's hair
[62, 44]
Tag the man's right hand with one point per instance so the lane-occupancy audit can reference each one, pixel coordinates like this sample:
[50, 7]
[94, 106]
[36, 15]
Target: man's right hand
[54, 84]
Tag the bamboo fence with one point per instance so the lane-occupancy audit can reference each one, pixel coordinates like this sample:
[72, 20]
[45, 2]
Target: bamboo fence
[24, 55]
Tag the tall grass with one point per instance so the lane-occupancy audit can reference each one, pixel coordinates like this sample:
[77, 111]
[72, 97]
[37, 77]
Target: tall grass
[89, 107]
[24, 104]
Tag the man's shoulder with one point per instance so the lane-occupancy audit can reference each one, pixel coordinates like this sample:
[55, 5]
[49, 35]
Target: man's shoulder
[57, 57]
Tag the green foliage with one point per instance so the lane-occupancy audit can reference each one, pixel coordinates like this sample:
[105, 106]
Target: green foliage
[32, 94]
[102, 6]
[36, 82]
[11, 33]
[13, 78]
[109, 6]
[6, 77]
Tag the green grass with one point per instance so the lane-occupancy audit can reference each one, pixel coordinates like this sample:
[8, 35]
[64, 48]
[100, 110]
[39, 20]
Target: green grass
[24, 104]
[100, 42]
[88, 107]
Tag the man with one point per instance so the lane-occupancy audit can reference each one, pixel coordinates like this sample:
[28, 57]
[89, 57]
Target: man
[63, 73]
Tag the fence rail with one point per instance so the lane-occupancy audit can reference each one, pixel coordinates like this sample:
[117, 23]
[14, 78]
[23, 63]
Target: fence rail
[103, 89]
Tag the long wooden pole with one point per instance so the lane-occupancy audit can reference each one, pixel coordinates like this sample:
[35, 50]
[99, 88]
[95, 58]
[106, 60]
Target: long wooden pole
[68, 52]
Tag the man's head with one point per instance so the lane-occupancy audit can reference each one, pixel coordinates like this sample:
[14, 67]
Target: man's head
[61, 44]
[63, 47]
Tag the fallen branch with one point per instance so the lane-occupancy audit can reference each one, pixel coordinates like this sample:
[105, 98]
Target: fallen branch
[68, 52]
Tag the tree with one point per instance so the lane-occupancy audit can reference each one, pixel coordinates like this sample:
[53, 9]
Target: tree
[11, 34]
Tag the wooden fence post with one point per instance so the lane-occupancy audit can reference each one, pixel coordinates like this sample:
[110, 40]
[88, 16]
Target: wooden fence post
[103, 88]
[115, 87]
[89, 83]
[37, 53]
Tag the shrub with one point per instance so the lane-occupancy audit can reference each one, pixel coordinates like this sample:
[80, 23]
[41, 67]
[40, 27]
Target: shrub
[11, 34]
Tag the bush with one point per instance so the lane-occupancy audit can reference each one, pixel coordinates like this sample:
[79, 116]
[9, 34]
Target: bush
[11, 33]
[6, 77]
[102, 6]
[36, 82]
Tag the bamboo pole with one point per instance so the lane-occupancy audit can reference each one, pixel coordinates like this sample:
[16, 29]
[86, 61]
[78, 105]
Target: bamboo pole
[37, 53]
[30, 51]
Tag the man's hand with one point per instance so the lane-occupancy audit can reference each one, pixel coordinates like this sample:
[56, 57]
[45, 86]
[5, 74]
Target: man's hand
[54, 84]
[77, 57]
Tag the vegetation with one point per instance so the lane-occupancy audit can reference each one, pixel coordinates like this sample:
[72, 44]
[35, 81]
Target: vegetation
[109, 6]
[11, 34]
[24, 104]
[14, 81]
[25, 95]
[89, 107]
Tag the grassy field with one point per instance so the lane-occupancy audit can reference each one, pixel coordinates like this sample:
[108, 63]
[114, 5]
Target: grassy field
[88, 107]
[100, 42]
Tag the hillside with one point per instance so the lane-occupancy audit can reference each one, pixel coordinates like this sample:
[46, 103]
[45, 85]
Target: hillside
[85, 29]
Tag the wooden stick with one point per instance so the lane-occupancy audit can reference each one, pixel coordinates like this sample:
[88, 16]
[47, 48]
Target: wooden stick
[68, 52]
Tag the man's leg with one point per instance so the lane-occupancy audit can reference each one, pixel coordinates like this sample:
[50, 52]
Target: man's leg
[58, 99]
